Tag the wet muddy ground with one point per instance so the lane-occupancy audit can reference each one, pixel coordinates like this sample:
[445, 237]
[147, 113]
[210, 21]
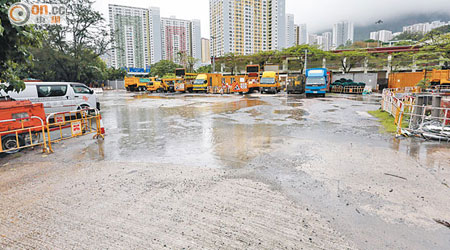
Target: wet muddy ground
[206, 171]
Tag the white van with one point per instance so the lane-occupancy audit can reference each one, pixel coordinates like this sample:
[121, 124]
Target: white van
[58, 96]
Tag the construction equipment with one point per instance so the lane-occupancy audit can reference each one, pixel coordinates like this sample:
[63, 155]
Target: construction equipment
[186, 85]
[21, 125]
[207, 83]
[296, 84]
[156, 85]
[270, 82]
[248, 83]
[411, 79]
[169, 83]
[137, 83]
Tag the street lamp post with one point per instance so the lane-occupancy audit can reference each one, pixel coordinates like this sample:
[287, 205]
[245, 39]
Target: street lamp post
[213, 38]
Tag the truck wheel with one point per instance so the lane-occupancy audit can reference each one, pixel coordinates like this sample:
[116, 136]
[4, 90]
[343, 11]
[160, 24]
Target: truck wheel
[9, 142]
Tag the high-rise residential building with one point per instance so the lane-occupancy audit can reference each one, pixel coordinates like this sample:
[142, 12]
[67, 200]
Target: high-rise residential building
[155, 35]
[302, 34]
[290, 31]
[343, 33]
[424, 27]
[312, 39]
[382, 35]
[206, 55]
[176, 38]
[129, 27]
[196, 40]
[246, 27]
[328, 37]
[142, 37]
[276, 23]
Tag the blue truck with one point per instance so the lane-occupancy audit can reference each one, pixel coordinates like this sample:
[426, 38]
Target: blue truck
[316, 82]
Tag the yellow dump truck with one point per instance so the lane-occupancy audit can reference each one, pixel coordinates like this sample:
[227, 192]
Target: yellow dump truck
[270, 82]
[137, 83]
[131, 83]
[207, 82]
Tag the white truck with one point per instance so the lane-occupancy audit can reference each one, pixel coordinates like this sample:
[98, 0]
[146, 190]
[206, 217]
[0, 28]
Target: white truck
[57, 96]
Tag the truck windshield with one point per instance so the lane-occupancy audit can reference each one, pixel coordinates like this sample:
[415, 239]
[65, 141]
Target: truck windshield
[266, 80]
[315, 81]
[200, 81]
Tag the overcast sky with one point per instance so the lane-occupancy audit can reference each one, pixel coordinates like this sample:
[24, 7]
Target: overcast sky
[318, 14]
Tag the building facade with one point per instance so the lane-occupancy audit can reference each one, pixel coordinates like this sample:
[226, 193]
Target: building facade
[290, 31]
[196, 40]
[176, 38]
[382, 35]
[142, 37]
[343, 33]
[206, 55]
[130, 30]
[155, 35]
[246, 27]
[302, 34]
[424, 28]
[327, 41]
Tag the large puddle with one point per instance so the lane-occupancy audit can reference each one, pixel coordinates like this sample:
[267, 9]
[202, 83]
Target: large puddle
[230, 131]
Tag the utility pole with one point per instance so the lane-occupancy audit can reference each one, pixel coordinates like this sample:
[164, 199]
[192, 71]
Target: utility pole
[306, 60]
[213, 38]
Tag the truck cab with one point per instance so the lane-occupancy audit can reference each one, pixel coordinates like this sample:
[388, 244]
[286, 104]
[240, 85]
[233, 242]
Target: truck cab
[316, 82]
[206, 82]
[270, 82]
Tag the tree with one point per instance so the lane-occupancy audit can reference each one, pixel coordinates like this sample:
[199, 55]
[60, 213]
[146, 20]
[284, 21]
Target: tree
[191, 61]
[115, 74]
[204, 69]
[15, 44]
[77, 45]
[434, 51]
[163, 68]
[231, 62]
[415, 36]
[351, 59]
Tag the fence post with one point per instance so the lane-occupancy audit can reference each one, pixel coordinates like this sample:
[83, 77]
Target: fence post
[418, 110]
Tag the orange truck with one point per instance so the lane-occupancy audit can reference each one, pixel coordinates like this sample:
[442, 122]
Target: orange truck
[248, 83]
[411, 79]
[20, 123]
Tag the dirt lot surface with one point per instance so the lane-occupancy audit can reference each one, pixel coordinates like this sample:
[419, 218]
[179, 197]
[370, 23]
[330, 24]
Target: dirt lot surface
[229, 172]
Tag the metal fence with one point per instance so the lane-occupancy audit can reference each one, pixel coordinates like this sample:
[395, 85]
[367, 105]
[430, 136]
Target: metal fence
[57, 127]
[412, 109]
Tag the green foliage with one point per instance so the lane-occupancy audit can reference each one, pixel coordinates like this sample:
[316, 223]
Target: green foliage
[387, 121]
[434, 50]
[115, 74]
[204, 69]
[15, 44]
[415, 36]
[187, 61]
[424, 84]
[169, 76]
[163, 68]
[437, 32]
[351, 59]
